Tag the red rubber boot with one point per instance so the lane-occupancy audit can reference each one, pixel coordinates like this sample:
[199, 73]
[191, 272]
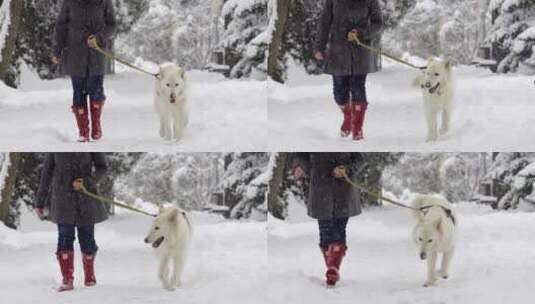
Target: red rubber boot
[96, 113]
[89, 270]
[82, 120]
[335, 255]
[345, 130]
[66, 265]
[359, 112]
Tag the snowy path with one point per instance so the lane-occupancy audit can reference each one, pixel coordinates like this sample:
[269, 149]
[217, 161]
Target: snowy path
[228, 263]
[226, 116]
[494, 262]
[492, 113]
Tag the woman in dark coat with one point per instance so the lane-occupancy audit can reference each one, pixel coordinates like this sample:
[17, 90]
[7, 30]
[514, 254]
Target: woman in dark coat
[348, 63]
[80, 27]
[59, 194]
[331, 201]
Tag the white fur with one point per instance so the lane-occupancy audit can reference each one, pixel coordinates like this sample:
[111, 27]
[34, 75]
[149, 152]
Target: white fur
[174, 226]
[170, 101]
[441, 101]
[434, 234]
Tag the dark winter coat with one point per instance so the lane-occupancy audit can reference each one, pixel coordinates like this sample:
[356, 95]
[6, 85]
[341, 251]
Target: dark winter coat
[77, 20]
[329, 197]
[337, 19]
[66, 205]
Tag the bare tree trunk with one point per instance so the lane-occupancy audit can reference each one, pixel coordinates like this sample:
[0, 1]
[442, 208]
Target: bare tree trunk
[11, 167]
[281, 13]
[275, 207]
[6, 52]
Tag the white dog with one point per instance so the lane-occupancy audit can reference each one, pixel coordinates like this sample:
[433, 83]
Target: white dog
[170, 101]
[436, 82]
[434, 233]
[170, 236]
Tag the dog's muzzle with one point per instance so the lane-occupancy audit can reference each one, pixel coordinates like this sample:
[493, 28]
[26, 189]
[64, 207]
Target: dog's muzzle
[172, 98]
[432, 90]
[423, 256]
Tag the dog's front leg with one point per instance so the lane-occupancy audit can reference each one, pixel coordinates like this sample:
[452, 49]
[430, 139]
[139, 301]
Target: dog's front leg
[178, 263]
[446, 259]
[431, 265]
[431, 119]
[162, 128]
[178, 128]
[445, 122]
[163, 272]
[167, 129]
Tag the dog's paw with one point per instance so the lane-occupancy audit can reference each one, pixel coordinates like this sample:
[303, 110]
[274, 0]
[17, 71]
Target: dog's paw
[429, 284]
[443, 274]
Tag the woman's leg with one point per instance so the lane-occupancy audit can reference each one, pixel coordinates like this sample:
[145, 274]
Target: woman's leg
[341, 91]
[358, 88]
[65, 255]
[360, 105]
[337, 250]
[339, 230]
[96, 96]
[89, 248]
[79, 107]
[325, 230]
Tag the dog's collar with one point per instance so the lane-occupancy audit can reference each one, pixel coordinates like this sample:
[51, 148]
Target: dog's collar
[448, 212]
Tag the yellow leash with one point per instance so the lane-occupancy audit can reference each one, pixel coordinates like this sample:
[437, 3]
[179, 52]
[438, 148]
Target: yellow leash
[84, 190]
[354, 37]
[375, 194]
[111, 56]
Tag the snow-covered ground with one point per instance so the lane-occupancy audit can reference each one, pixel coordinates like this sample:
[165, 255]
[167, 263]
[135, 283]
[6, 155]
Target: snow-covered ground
[226, 115]
[494, 262]
[492, 113]
[228, 264]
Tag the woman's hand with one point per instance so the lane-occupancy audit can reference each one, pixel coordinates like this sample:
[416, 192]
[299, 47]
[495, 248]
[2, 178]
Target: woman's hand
[318, 55]
[339, 171]
[77, 184]
[92, 42]
[299, 172]
[55, 60]
[353, 36]
[40, 212]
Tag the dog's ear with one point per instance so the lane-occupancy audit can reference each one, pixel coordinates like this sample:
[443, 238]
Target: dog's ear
[447, 64]
[181, 72]
[439, 227]
[173, 215]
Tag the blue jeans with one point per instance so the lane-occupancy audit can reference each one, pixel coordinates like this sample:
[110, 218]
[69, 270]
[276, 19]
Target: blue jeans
[86, 238]
[332, 231]
[349, 88]
[92, 86]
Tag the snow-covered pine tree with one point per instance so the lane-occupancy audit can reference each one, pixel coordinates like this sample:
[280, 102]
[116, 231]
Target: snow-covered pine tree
[436, 28]
[173, 31]
[10, 16]
[184, 179]
[246, 37]
[452, 174]
[512, 35]
[245, 184]
[9, 172]
[301, 34]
